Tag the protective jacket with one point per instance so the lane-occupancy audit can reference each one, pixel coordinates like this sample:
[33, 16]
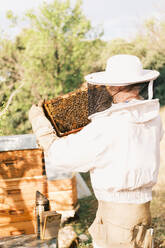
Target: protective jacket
[120, 148]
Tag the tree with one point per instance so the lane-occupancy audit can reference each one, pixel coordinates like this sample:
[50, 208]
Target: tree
[53, 56]
[153, 38]
[11, 76]
[57, 49]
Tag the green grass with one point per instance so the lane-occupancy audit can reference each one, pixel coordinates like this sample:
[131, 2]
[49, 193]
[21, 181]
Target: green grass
[85, 215]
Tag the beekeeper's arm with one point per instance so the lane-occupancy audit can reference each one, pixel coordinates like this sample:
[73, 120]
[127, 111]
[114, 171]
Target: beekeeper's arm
[75, 152]
[42, 127]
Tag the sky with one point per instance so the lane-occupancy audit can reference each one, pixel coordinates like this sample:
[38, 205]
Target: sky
[119, 18]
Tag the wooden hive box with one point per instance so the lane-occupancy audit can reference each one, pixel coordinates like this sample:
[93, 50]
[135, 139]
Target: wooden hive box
[17, 199]
[22, 173]
[21, 163]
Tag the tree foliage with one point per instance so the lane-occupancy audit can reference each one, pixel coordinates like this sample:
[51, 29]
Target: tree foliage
[149, 46]
[52, 56]
[57, 48]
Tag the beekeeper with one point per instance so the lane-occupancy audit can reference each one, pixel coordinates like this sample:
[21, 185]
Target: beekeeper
[120, 148]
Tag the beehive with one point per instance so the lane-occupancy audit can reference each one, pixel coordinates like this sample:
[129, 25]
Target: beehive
[21, 163]
[69, 113]
[22, 173]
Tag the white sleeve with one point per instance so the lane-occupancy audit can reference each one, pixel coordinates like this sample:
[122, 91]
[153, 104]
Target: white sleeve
[161, 131]
[160, 126]
[76, 152]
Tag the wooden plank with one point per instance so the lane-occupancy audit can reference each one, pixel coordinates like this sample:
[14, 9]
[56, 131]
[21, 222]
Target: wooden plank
[21, 163]
[61, 184]
[17, 228]
[17, 197]
[17, 205]
[11, 196]
[58, 206]
[62, 197]
[27, 241]
[17, 190]
[53, 185]
[16, 215]
[22, 183]
[25, 213]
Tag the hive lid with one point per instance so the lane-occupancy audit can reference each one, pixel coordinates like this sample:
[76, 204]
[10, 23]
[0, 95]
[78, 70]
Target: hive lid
[18, 142]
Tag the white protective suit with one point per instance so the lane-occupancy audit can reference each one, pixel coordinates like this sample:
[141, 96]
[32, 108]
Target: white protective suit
[120, 148]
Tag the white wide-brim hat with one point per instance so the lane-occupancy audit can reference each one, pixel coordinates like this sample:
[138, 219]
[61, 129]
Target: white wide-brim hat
[122, 70]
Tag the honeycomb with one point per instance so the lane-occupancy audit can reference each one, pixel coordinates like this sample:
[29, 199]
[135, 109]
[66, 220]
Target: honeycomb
[69, 113]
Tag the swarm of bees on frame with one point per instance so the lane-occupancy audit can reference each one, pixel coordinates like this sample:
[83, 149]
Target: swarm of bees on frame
[69, 113]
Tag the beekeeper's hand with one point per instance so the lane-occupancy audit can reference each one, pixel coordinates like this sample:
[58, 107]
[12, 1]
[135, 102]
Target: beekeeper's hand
[35, 111]
[42, 127]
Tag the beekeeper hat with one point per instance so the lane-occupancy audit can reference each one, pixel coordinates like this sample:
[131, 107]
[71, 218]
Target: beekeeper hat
[123, 70]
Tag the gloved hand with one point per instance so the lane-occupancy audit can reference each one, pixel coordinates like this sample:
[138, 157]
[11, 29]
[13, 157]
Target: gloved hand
[42, 127]
[35, 111]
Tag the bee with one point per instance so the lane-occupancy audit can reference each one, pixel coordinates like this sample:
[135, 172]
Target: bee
[69, 113]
